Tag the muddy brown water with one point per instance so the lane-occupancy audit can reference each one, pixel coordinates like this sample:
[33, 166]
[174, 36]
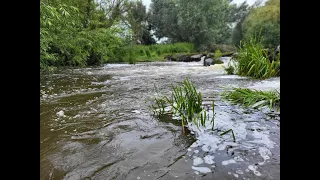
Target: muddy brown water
[95, 124]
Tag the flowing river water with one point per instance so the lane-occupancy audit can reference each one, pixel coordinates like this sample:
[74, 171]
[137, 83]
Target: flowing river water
[95, 124]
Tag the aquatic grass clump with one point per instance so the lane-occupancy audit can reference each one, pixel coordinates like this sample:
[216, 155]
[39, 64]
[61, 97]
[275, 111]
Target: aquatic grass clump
[186, 102]
[229, 70]
[253, 61]
[254, 98]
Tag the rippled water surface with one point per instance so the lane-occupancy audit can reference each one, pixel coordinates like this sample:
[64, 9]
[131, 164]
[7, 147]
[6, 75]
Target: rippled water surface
[95, 124]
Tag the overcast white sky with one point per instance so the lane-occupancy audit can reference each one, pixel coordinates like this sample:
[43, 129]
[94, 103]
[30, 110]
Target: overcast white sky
[250, 2]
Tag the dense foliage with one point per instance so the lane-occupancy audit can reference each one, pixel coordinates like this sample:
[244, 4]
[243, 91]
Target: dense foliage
[267, 20]
[201, 22]
[88, 32]
[83, 32]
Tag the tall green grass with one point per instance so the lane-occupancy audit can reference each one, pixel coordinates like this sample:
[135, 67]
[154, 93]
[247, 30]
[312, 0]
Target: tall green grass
[254, 98]
[186, 102]
[146, 53]
[253, 61]
[159, 51]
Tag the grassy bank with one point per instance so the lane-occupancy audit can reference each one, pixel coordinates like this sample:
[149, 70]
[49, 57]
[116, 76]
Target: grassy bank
[148, 53]
[159, 51]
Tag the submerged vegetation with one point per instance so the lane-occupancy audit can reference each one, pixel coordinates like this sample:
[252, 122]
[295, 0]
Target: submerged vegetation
[186, 103]
[254, 98]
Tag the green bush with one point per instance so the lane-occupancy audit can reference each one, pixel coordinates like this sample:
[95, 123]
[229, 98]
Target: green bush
[212, 47]
[217, 54]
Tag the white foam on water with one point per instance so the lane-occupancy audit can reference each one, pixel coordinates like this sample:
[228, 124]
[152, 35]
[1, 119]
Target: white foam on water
[210, 141]
[231, 77]
[236, 175]
[225, 144]
[230, 161]
[262, 137]
[237, 158]
[265, 154]
[223, 121]
[195, 144]
[201, 169]
[166, 109]
[124, 78]
[60, 113]
[101, 83]
[266, 85]
[116, 65]
[136, 111]
[197, 161]
[208, 159]
[254, 169]
[76, 116]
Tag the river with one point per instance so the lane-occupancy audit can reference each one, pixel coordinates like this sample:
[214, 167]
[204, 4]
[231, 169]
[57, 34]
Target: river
[95, 124]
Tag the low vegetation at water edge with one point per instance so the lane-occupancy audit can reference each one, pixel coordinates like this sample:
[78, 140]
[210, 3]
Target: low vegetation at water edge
[254, 98]
[253, 61]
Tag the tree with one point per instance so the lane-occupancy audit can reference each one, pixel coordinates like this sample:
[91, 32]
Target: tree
[136, 18]
[77, 32]
[201, 22]
[238, 15]
[267, 20]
